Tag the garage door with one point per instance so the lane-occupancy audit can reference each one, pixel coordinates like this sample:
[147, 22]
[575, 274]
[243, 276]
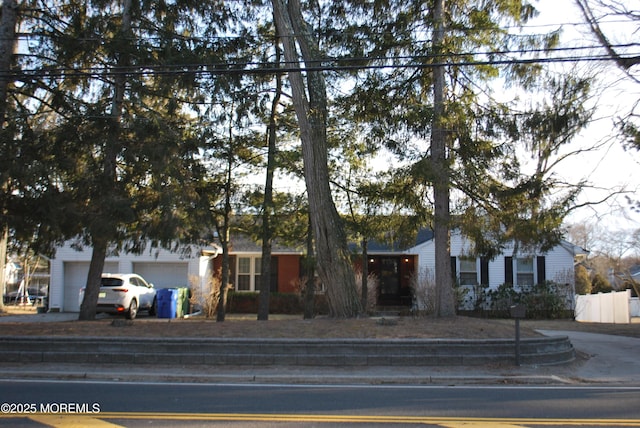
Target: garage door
[75, 277]
[164, 275]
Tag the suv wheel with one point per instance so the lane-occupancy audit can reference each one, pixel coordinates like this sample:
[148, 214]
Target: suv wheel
[133, 309]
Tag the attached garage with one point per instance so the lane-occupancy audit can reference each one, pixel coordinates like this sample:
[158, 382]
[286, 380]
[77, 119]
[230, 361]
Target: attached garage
[75, 277]
[163, 274]
[165, 269]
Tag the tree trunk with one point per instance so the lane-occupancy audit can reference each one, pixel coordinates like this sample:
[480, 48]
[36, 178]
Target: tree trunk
[224, 280]
[265, 274]
[334, 263]
[310, 285]
[364, 293]
[8, 22]
[223, 232]
[3, 260]
[94, 279]
[105, 228]
[445, 305]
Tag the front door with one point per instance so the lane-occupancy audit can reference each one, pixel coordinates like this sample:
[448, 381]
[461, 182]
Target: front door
[389, 274]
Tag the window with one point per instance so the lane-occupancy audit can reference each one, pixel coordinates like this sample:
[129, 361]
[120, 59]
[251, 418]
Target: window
[524, 268]
[248, 276]
[468, 271]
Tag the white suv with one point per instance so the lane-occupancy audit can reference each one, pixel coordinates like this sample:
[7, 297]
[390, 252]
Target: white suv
[125, 293]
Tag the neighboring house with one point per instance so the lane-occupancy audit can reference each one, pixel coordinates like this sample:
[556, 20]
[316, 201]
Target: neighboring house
[520, 269]
[12, 273]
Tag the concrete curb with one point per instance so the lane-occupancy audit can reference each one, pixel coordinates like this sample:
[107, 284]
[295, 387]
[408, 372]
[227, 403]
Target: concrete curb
[240, 375]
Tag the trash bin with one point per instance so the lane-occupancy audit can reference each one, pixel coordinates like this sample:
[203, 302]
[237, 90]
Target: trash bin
[167, 299]
[182, 307]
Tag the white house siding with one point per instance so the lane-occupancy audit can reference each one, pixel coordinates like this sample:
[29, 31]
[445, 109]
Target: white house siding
[559, 261]
[560, 265]
[69, 269]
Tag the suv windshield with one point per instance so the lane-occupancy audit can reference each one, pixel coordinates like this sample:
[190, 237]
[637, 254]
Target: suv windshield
[111, 282]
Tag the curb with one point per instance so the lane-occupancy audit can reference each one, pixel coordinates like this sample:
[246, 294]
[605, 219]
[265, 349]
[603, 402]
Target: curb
[243, 377]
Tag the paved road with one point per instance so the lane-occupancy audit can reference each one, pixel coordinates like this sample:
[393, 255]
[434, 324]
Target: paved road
[121, 403]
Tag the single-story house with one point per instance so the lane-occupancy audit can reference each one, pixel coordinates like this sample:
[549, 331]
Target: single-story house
[395, 268]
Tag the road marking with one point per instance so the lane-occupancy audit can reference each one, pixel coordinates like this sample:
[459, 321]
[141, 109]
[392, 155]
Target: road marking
[72, 421]
[475, 424]
[101, 420]
[98, 420]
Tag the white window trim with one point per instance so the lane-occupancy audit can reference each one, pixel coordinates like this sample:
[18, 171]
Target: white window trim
[252, 272]
[477, 270]
[533, 271]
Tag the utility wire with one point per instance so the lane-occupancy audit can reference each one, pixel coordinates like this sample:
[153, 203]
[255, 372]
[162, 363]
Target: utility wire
[337, 64]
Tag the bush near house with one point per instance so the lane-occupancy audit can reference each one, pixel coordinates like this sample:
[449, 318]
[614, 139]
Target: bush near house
[600, 284]
[279, 303]
[542, 301]
[583, 282]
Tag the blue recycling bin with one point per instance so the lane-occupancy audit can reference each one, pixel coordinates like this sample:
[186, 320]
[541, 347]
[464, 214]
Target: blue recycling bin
[167, 299]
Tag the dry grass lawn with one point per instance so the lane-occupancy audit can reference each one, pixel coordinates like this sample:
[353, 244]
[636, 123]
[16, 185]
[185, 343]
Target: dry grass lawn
[295, 327]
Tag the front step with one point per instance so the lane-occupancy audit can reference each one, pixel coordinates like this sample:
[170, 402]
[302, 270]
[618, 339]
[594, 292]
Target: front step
[392, 311]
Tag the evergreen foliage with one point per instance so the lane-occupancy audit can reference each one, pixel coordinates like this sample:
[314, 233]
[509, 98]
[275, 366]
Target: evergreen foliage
[134, 122]
[600, 284]
[583, 282]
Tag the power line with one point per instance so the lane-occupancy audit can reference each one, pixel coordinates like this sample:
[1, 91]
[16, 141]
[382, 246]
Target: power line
[327, 64]
[210, 38]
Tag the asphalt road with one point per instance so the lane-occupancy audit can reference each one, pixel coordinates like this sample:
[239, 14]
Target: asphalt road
[163, 404]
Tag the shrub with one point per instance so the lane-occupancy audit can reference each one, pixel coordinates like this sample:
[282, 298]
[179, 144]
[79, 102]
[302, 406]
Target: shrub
[246, 302]
[600, 284]
[423, 290]
[472, 298]
[206, 297]
[501, 299]
[372, 290]
[546, 300]
[583, 282]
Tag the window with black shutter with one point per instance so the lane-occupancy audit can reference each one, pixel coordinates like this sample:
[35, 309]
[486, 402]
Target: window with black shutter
[508, 270]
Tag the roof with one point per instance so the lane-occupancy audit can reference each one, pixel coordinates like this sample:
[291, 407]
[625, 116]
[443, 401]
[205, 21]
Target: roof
[241, 243]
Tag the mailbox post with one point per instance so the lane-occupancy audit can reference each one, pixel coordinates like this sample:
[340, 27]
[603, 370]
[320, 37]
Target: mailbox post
[518, 312]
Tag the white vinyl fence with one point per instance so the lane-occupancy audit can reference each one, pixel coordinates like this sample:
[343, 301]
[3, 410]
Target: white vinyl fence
[616, 307]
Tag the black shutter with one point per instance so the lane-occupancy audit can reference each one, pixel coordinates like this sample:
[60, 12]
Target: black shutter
[484, 271]
[454, 273]
[542, 272]
[508, 270]
[232, 270]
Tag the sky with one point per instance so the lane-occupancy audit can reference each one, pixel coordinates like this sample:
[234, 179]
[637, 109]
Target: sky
[610, 167]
